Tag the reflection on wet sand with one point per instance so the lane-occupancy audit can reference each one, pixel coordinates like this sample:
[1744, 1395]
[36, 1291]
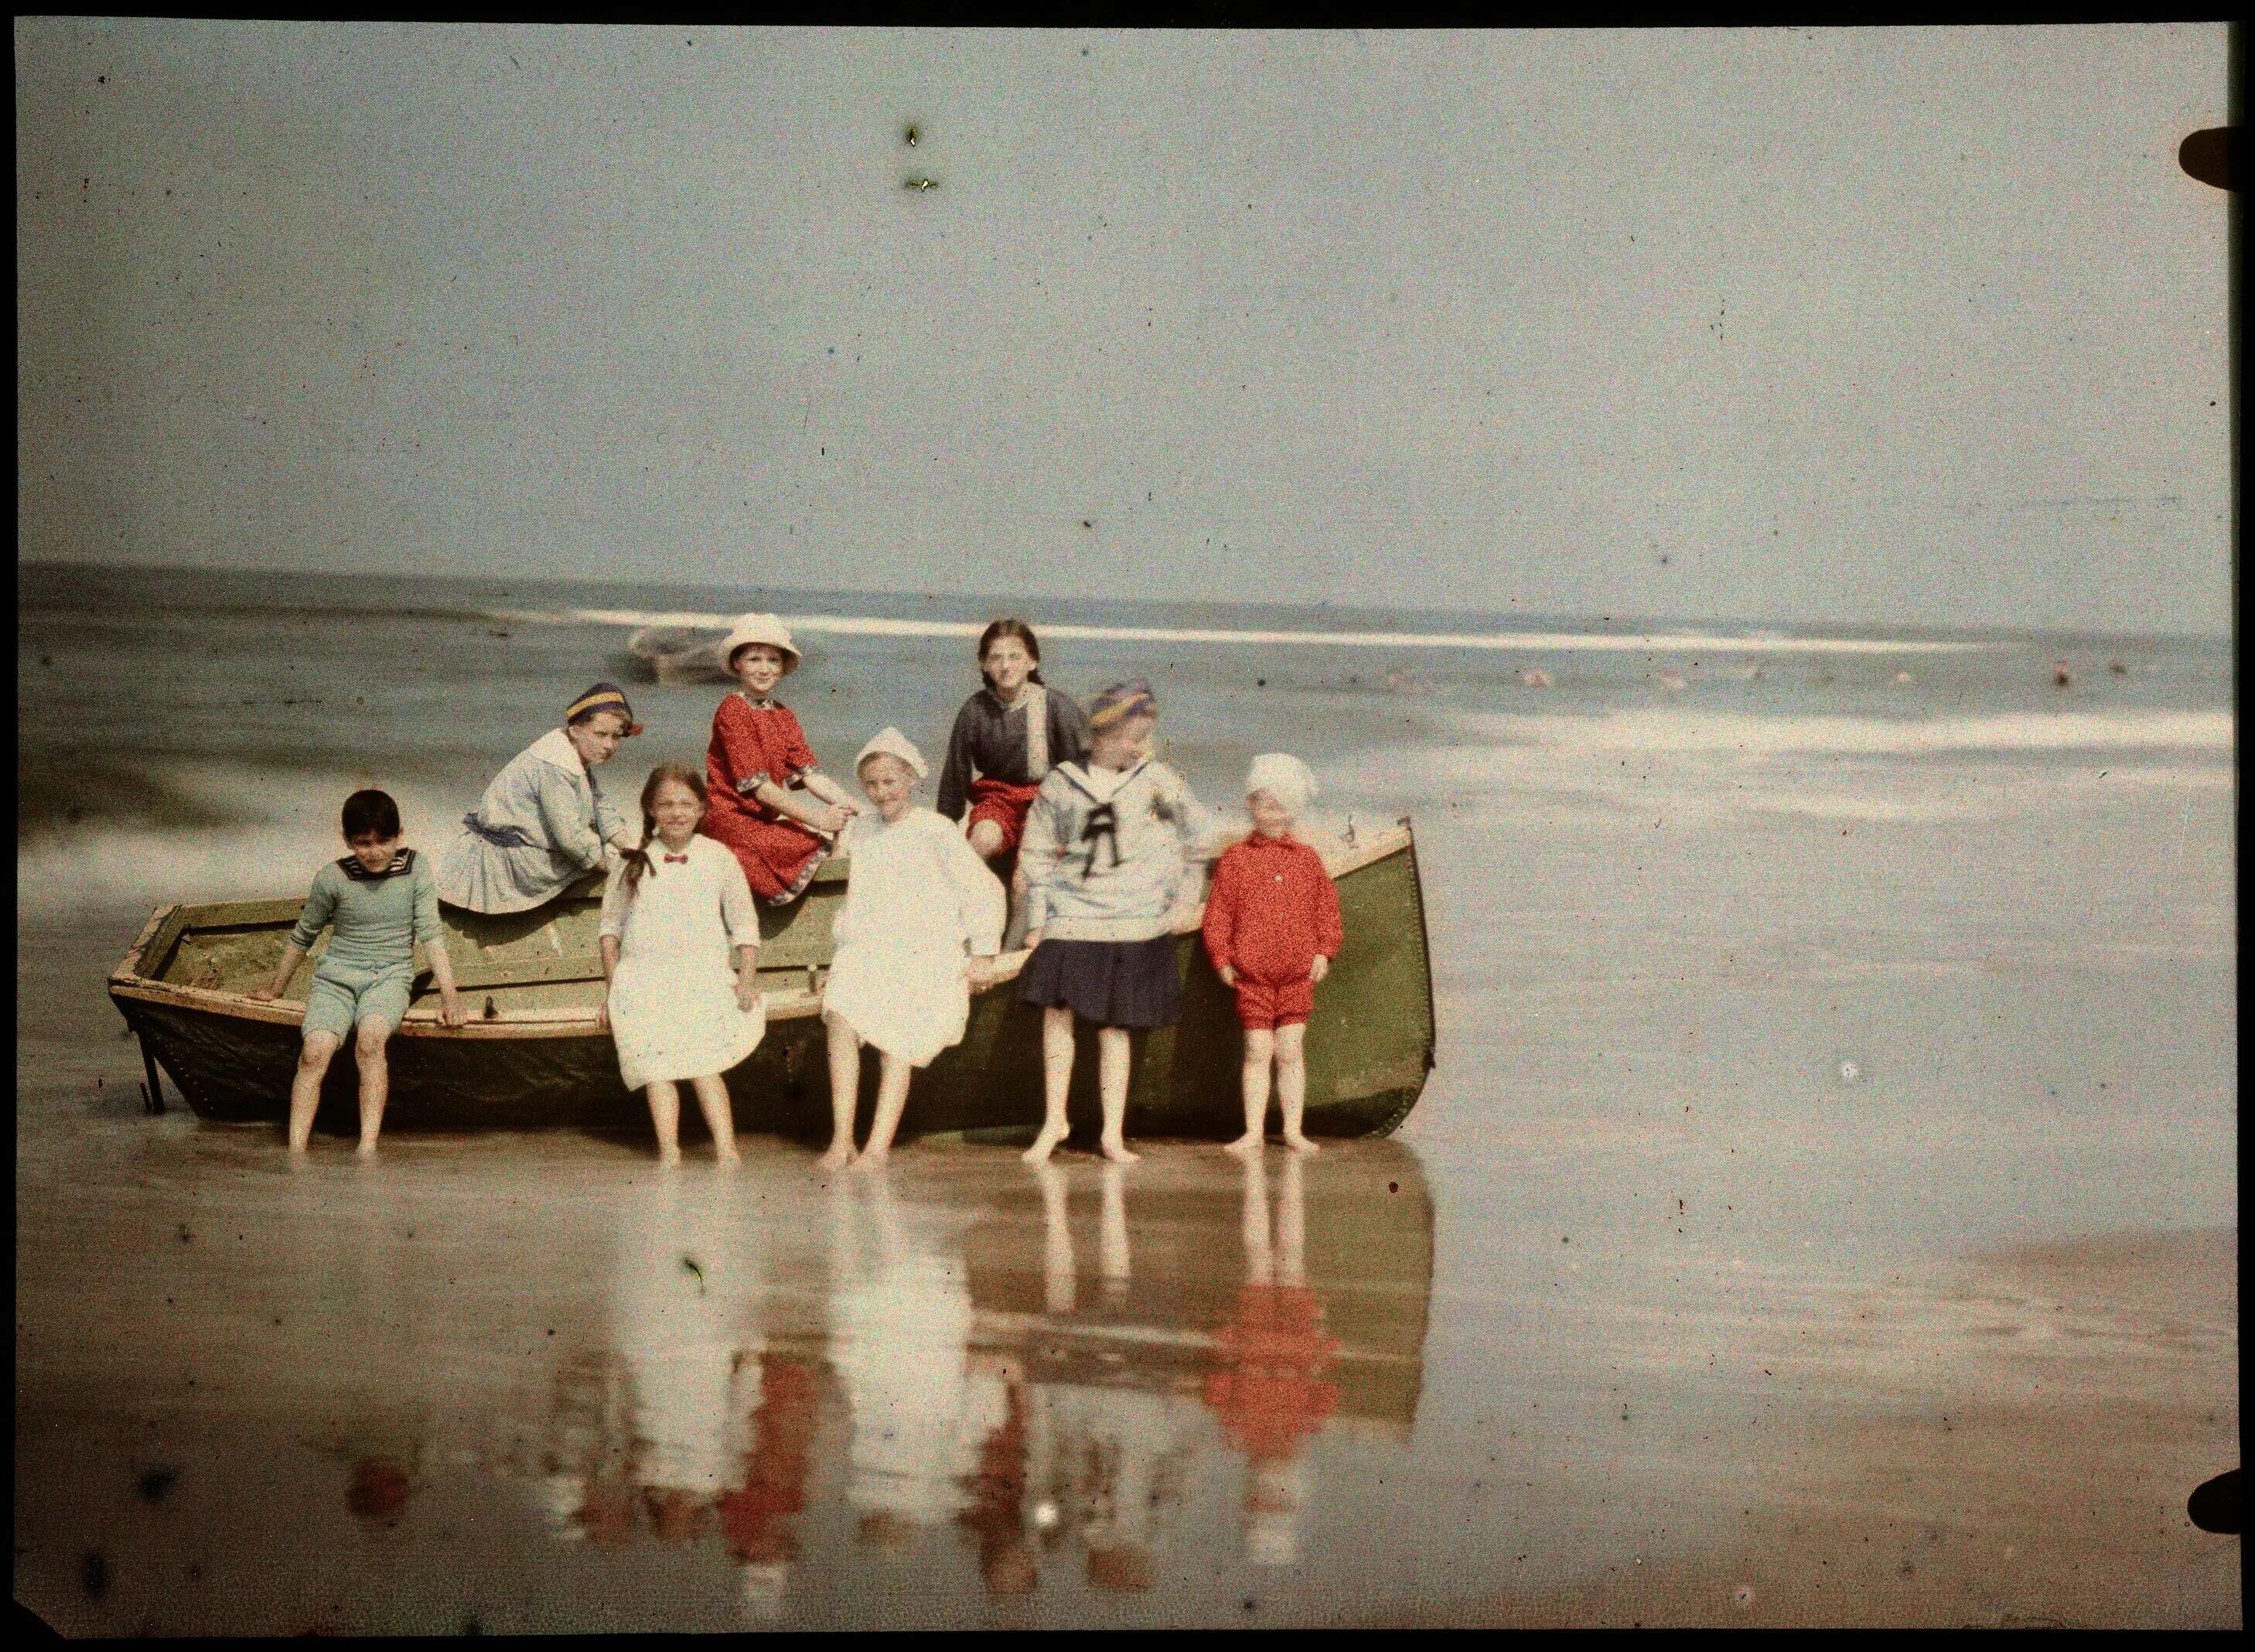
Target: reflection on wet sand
[1270, 1392]
[1038, 1370]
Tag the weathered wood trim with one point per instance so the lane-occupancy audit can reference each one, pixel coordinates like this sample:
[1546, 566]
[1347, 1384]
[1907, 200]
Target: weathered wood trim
[129, 965]
[242, 914]
[528, 972]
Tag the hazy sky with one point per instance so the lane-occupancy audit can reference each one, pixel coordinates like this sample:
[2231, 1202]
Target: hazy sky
[1885, 326]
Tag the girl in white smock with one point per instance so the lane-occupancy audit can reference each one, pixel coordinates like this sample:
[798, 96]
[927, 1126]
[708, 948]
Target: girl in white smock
[674, 909]
[918, 897]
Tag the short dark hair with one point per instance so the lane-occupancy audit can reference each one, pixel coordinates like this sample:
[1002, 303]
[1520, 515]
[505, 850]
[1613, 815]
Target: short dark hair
[371, 812]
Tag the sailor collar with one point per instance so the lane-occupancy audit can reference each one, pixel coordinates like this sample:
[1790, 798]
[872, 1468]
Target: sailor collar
[1088, 783]
[555, 747]
[402, 863]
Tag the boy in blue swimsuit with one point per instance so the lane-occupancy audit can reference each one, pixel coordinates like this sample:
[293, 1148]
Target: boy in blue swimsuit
[383, 901]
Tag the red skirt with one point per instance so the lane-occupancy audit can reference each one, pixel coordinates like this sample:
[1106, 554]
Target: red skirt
[778, 856]
[1005, 804]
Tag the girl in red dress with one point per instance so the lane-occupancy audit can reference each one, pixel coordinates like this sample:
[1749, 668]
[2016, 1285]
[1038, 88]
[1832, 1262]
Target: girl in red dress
[768, 803]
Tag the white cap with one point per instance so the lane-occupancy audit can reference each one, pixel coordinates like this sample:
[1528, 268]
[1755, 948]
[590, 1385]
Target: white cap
[1284, 778]
[893, 743]
[761, 628]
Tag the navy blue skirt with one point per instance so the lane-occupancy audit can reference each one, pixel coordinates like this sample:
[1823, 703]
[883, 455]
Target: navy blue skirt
[1112, 983]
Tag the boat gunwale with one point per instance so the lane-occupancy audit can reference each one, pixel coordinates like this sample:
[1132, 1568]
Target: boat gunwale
[422, 1021]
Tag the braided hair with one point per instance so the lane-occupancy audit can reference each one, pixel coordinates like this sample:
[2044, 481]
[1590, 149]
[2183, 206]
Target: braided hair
[679, 774]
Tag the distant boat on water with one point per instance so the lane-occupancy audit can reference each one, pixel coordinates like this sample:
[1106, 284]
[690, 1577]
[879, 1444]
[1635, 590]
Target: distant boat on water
[532, 1054]
[678, 654]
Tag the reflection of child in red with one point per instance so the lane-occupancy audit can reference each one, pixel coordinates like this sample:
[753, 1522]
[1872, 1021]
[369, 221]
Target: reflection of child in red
[756, 1520]
[1269, 1393]
[998, 1497]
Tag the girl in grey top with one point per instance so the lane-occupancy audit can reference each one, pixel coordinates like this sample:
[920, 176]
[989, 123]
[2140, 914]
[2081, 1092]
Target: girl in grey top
[544, 822]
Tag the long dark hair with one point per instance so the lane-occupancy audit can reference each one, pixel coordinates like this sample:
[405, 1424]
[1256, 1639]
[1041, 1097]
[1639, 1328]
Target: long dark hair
[679, 774]
[1024, 633]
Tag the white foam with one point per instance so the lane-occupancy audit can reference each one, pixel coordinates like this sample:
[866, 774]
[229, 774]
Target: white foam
[290, 828]
[1539, 642]
[1756, 737]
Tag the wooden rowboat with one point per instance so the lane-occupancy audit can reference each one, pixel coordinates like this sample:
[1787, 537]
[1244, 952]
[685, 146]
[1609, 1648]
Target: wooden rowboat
[533, 1056]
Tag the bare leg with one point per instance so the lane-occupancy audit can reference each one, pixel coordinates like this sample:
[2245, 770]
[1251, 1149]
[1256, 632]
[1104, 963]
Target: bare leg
[1112, 1233]
[1112, 1051]
[719, 1118]
[1056, 1082]
[1259, 1049]
[1292, 1084]
[666, 1114]
[374, 1077]
[985, 839]
[1292, 1223]
[1259, 1259]
[893, 1075]
[845, 1091]
[1013, 933]
[1058, 1278]
[306, 1085]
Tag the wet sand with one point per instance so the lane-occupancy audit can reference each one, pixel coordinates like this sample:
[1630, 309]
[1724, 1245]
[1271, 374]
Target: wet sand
[2006, 1441]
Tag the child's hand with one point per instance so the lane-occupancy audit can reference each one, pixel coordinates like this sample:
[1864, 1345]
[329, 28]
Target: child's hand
[265, 995]
[748, 993]
[603, 1015]
[1186, 921]
[1320, 968]
[834, 818]
[451, 1013]
[981, 974]
[1229, 975]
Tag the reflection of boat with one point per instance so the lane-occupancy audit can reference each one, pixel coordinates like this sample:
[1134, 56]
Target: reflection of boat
[533, 1055]
[678, 654]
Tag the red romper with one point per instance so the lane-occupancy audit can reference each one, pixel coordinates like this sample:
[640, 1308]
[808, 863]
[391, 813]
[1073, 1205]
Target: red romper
[1272, 910]
[750, 744]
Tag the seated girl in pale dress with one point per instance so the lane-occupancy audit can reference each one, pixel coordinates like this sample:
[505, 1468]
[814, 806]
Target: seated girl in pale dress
[915, 897]
[674, 909]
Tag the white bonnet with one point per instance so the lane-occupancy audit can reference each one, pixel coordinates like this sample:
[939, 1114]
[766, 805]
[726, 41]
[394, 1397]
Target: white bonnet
[893, 743]
[1284, 778]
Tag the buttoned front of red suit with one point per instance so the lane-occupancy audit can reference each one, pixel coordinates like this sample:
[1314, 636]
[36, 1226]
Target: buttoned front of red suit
[1273, 911]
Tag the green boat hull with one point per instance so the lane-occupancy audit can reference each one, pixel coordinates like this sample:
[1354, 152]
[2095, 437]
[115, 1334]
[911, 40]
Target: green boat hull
[532, 1058]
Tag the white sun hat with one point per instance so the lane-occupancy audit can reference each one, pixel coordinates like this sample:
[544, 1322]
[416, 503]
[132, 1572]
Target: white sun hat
[1284, 778]
[893, 743]
[761, 628]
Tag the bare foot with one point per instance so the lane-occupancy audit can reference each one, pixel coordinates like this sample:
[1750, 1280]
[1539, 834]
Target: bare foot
[1118, 1153]
[840, 1156]
[669, 1156]
[366, 1149]
[1301, 1144]
[873, 1159]
[1247, 1146]
[729, 1155]
[1044, 1144]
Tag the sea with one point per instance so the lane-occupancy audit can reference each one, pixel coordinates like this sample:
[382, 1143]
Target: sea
[1831, 1155]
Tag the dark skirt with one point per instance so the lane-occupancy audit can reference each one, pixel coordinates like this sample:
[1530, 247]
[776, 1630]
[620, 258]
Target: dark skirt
[1112, 983]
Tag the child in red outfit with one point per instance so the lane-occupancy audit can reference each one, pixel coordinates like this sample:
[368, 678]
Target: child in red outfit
[769, 804]
[1272, 928]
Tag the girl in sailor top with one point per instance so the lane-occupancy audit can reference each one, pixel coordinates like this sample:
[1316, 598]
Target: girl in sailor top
[674, 909]
[1107, 853]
